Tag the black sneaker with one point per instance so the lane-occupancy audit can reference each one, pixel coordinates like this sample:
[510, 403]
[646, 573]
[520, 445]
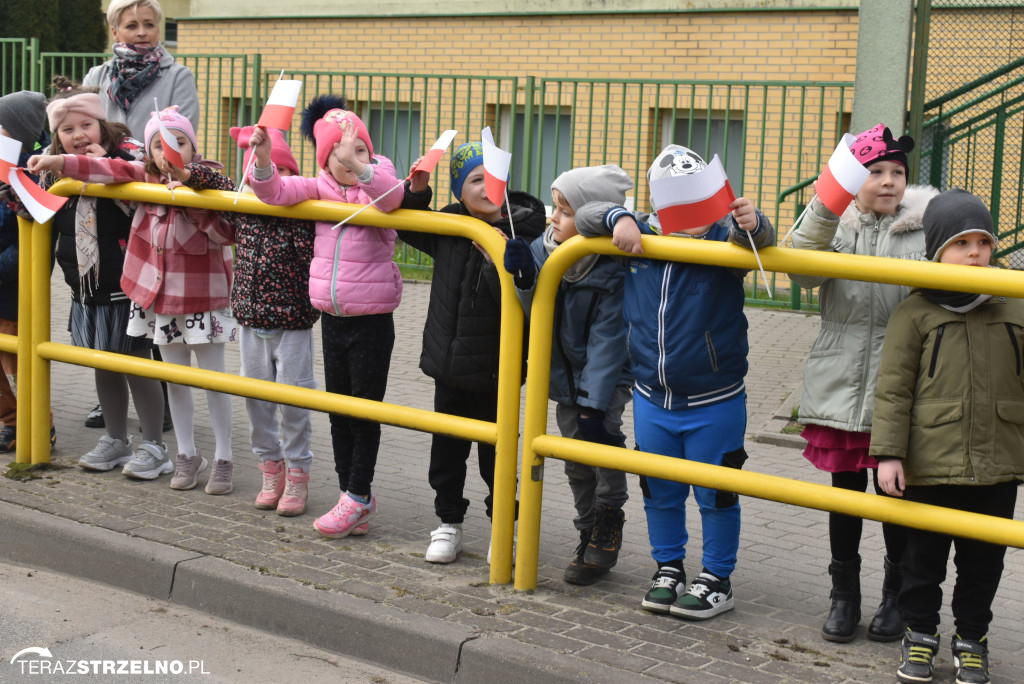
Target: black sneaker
[95, 418]
[53, 437]
[579, 571]
[971, 660]
[668, 583]
[606, 540]
[916, 655]
[8, 439]
[707, 597]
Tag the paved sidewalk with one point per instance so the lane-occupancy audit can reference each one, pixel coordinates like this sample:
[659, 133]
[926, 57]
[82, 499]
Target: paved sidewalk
[375, 598]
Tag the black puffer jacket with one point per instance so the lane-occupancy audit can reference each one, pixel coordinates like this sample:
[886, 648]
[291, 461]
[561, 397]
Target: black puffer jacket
[460, 339]
[113, 224]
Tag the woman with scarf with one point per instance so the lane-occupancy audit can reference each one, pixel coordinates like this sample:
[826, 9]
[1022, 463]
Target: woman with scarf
[141, 69]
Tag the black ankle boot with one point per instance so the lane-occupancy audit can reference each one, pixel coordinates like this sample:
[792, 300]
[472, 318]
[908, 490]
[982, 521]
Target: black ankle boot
[606, 540]
[887, 624]
[579, 571]
[841, 623]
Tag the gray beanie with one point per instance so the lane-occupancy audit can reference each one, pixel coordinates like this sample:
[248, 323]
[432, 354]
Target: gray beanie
[952, 214]
[22, 115]
[606, 183]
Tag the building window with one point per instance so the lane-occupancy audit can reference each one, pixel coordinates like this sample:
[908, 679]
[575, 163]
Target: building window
[170, 32]
[554, 153]
[395, 133]
[708, 137]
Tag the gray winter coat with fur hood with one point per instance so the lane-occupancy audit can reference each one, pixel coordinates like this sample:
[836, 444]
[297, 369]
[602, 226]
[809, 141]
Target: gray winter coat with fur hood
[842, 367]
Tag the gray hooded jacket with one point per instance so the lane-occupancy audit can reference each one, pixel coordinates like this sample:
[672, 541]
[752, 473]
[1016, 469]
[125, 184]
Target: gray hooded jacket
[842, 367]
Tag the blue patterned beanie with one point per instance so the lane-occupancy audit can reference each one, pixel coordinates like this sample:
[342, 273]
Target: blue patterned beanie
[467, 157]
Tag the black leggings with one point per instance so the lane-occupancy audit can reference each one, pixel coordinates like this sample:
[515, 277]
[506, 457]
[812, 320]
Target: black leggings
[844, 531]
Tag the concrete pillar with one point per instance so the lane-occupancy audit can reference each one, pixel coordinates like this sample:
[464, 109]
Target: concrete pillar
[884, 46]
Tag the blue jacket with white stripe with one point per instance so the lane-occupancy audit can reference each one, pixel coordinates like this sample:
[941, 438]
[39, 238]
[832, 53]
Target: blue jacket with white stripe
[686, 327]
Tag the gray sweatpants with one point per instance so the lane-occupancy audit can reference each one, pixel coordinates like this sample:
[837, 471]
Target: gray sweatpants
[591, 486]
[284, 356]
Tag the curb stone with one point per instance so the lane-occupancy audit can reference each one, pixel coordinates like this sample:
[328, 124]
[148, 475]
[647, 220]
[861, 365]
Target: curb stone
[405, 642]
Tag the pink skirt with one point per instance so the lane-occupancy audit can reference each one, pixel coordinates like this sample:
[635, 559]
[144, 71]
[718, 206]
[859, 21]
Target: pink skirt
[837, 451]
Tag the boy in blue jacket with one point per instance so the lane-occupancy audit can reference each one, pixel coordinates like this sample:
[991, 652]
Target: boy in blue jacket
[590, 379]
[688, 348]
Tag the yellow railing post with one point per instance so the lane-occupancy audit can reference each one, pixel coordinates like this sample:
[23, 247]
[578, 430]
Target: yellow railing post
[40, 332]
[503, 508]
[22, 385]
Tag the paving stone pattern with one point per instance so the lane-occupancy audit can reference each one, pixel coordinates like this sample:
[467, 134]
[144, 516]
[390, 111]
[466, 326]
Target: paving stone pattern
[781, 583]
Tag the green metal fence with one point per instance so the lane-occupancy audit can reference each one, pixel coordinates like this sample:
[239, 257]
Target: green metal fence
[772, 136]
[969, 79]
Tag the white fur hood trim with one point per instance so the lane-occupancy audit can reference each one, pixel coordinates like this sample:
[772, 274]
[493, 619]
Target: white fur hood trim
[908, 215]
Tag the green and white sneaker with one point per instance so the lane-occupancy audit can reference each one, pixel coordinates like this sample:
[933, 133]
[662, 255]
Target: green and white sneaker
[971, 660]
[707, 597]
[916, 654]
[149, 462]
[668, 583]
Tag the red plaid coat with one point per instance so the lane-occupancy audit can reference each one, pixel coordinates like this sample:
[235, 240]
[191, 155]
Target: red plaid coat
[177, 259]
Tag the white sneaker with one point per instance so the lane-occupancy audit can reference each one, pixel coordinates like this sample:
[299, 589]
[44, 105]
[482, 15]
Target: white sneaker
[445, 544]
[108, 454]
[149, 462]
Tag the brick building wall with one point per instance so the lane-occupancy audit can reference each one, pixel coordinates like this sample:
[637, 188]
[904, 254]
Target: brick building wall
[811, 45]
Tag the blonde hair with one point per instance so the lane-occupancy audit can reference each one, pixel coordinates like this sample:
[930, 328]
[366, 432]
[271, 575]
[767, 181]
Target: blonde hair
[118, 7]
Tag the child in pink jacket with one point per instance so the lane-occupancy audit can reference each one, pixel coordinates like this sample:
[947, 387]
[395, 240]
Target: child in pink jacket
[353, 280]
[177, 273]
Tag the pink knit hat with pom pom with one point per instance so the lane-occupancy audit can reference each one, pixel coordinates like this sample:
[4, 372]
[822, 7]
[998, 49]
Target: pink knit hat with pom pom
[327, 132]
[174, 121]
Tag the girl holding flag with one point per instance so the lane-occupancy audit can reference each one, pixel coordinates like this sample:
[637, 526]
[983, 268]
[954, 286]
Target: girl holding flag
[177, 273]
[353, 280]
[883, 220]
[91, 235]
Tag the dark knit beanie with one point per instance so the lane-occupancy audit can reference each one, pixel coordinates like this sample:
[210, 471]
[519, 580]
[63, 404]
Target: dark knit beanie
[950, 215]
[607, 183]
[467, 157]
[22, 115]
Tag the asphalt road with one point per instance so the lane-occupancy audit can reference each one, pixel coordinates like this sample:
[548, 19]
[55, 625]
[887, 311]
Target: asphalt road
[95, 633]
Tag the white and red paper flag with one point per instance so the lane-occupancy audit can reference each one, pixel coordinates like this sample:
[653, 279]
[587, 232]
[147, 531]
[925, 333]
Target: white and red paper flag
[281, 105]
[169, 143]
[429, 161]
[841, 178]
[693, 200]
[496, 164]
[10, 151]
[39, 203]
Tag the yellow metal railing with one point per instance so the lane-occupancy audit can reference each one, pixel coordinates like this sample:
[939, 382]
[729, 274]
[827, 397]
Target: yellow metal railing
[537, 445]
[36, 350]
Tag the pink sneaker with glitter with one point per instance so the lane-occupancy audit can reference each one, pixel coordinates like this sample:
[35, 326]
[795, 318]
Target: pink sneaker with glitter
[293, 501]
[273, 485]
[341, 520]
